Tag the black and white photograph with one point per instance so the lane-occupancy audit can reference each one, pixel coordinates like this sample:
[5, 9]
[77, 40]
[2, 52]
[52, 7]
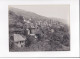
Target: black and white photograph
[39, 28]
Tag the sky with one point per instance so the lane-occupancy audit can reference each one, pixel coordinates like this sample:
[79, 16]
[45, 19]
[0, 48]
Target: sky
[57, 11]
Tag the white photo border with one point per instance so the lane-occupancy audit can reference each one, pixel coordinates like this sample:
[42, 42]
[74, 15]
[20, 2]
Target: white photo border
[74, 28]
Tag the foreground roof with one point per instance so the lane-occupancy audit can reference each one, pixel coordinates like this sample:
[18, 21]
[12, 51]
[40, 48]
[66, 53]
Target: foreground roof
[18, 37]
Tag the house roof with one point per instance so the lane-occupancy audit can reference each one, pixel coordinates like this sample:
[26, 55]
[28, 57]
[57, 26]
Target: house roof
[18, 37]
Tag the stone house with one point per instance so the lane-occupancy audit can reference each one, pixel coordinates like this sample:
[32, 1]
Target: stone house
[19, 40]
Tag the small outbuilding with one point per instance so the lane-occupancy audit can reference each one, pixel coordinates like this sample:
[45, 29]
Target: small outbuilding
[19, 40]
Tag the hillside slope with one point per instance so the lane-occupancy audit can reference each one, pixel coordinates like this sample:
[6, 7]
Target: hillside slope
[53, 34]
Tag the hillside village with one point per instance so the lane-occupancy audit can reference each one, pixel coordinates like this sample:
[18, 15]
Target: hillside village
[32, 32]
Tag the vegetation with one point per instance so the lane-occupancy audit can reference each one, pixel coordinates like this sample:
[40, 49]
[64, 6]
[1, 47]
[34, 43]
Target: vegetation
[52, 35]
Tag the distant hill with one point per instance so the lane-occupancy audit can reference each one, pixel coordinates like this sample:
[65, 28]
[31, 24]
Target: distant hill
[27, 14]
[31, 15]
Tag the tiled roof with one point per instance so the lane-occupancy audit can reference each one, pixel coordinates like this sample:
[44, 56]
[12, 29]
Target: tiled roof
[18, 37]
